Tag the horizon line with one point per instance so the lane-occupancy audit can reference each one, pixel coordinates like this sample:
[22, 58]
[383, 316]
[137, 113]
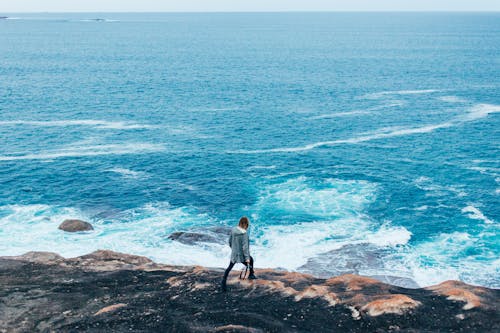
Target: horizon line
[252, 11]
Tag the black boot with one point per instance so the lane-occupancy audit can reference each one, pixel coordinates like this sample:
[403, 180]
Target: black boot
[252, 274]
[223, 287]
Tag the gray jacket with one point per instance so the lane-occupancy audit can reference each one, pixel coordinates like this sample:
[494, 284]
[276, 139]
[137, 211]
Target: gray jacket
[238, 241]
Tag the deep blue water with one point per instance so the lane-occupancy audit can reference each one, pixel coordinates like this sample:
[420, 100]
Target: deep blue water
[376, 130]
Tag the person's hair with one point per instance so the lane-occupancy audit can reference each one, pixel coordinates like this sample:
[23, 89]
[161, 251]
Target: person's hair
[244, 222]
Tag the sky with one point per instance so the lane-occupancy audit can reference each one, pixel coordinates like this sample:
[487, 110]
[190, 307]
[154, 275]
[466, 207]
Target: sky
[244, 5]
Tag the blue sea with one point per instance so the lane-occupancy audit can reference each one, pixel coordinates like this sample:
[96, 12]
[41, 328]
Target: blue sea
[353, 141]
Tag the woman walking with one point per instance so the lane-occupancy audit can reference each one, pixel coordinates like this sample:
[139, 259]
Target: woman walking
[240, 252]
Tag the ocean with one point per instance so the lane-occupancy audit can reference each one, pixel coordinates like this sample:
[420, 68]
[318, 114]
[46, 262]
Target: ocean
[354, 142]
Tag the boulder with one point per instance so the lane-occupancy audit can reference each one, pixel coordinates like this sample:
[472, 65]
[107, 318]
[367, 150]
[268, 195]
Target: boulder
[75, 225]
[191, 238]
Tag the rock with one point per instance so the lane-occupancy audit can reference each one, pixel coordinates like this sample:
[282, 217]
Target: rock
[352, 282]
[107, 291]
[216, 234]
[191, 238]
[395, 304]
[75, 225]
[110, 308]
[41, 257]
[459, 291]
[397, 281]
[236, 328]
[351, 259]
[106, 260]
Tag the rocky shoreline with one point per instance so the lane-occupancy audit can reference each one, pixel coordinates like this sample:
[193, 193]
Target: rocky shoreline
[115, 292]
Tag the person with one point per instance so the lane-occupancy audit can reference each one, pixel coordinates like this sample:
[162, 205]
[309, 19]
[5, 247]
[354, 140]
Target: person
[240, 250]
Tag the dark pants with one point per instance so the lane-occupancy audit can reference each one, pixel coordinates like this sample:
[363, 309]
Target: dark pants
[230, 267]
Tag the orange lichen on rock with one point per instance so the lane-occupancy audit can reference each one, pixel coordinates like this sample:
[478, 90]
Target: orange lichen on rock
[236, 328]
[316, 291]
[199, 270]
[110, 308]
[270, 285]
[200, 286]
[459, 291]
[395, 304]
[176, 281]
[352, 282]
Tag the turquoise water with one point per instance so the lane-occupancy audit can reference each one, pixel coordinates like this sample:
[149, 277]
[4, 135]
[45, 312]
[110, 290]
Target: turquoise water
[379, 131]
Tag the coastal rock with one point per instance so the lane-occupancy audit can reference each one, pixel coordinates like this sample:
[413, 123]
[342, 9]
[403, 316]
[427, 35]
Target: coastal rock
[110, 308]
[40, 257]
[472, 296]
[107, 291]
[74, 225]
[396, 304]
[191, 238]
[218, 234]
[105, 260]
[351, 259]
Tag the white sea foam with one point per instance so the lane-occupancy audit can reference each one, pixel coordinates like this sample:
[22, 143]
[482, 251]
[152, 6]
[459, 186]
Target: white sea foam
[442, 258]
[381, 94]
[433, 189]
[363, 138]
[102, 124]
[331, 198]
[338, 208]
[127, 173]
[81, 151]
[452, 99]
[370, 110]
[478, 111]
[145, 230]
[390, 236]
[214, 109]
[474, 213]
[339, 114]
[141, 231]
[261, 167]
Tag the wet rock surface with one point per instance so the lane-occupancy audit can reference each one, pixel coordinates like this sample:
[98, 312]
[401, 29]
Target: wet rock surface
[352, 259]
[206, 235]
[75, 226]
[191, 238]
[109, 291]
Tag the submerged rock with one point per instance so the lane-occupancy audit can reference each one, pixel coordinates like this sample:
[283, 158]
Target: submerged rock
[352, 259]
[74, 225]
[191, 238]
[217, 234]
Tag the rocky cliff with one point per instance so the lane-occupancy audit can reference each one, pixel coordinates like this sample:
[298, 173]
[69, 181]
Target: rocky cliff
[112, 292]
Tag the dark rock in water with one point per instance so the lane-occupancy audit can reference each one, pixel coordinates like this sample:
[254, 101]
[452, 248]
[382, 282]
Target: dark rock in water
[191, 238]
[351, 259]
[75, 225]
[107, 291]
[217, 234]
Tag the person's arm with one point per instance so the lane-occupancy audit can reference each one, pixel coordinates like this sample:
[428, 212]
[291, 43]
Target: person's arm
[246, 250]
[231, 241]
